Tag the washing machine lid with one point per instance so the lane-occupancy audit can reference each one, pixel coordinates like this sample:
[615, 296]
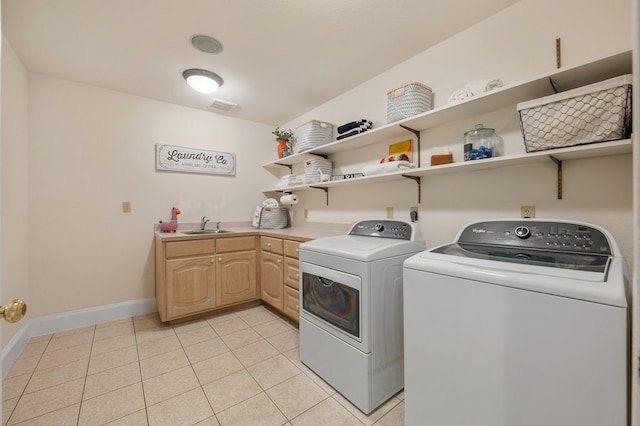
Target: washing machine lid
[370, 240]
[525, 256]
[492, 252]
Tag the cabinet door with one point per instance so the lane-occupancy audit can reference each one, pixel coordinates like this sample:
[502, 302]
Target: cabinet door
[236, 278]
[190, 285]
[291, 303]
[271, 273]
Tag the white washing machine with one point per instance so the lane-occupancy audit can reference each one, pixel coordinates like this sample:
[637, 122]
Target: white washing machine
[519, 322]
[351, 308]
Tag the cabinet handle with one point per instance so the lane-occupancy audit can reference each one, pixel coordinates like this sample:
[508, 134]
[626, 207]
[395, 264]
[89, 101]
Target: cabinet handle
[219, 259]
[213, 260]
[279, 261]
[297, 275]
[268, 244]
[296, 250]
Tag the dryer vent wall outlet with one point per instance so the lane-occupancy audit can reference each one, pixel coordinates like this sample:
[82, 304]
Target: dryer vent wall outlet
[528, 211]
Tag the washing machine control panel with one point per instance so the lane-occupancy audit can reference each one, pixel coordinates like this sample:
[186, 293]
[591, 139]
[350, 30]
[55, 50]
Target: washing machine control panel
[560, 236]
[383, 228]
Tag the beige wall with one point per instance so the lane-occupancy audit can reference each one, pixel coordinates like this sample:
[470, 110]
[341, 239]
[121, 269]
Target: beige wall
[514, 45]
[89, 150]
[15, 178]
[66, 243]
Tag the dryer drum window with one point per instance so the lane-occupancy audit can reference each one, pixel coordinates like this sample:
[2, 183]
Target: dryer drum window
[336, 303]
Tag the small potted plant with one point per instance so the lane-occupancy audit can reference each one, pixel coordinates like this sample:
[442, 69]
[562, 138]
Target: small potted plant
[284, 138]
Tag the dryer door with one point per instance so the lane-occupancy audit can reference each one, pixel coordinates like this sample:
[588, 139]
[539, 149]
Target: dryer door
[332, 300]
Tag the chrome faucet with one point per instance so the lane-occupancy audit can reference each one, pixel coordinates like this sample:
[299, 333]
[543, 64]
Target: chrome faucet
[203, 222]
[218, 226]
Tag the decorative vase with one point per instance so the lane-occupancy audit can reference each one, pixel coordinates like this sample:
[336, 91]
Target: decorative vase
[283, 148]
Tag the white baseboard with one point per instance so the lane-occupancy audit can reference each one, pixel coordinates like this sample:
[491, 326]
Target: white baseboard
[69, 320]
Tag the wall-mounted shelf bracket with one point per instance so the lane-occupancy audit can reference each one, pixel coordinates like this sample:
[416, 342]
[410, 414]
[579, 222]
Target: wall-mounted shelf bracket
[559, 172]
[417, 133]
[414, 131]
[289, 166]
[326, 192]
[417, 180]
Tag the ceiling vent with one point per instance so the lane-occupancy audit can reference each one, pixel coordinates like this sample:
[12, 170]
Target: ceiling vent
[222, 105]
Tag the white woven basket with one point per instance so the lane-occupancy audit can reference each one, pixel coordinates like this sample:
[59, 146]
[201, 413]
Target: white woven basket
[317, 171]
[410, 99]
[274, 218]
[312, 135]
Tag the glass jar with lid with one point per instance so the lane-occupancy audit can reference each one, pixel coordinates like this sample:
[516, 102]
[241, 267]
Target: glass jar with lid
[482, 142]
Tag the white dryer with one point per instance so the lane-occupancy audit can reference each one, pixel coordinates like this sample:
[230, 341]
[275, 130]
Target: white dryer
[351, 308]
[518, 322]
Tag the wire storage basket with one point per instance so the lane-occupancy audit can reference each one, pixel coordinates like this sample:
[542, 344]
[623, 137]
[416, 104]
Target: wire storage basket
[598, 112]
[410, 99]
[312, 135]
[274, 218]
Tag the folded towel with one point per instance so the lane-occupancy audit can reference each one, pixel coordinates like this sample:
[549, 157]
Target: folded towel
[354, 124]
[386, 167]
[460, 95]
[356, 131]
[473, 88]
[286, 184]
[351, 133]
[256, 217]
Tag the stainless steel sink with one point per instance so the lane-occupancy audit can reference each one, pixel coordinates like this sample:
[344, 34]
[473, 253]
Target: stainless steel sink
[205, 231]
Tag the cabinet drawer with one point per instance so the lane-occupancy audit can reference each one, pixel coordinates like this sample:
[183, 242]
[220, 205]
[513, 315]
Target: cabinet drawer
[291, 272]
[190, 248]
[225, 245]
[274, 245]
[291, 303]
[291, 248]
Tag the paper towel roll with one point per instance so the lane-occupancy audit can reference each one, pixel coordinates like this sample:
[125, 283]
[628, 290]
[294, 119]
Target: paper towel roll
[289, 200]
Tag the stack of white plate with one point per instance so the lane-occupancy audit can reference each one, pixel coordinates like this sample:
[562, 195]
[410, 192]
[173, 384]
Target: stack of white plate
[317, 171]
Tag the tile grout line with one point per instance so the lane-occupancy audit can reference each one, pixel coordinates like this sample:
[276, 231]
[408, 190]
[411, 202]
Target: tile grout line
[144, 395]
[86, 376]
[28, 381]
[196, 374]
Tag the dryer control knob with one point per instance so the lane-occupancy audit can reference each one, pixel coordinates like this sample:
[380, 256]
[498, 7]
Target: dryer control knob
[378, 227]
[522, 232]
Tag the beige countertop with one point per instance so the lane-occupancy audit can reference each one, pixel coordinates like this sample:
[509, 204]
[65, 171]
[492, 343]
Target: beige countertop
[300, 231]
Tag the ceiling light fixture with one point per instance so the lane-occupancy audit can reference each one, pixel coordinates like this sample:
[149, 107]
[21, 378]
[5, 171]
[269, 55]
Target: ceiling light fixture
[202, 81]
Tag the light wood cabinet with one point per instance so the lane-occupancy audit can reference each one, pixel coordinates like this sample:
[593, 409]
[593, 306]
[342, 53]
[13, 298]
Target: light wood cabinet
[291, 279]
[271, 273]
[199, 275]
[280, 274]
[236, 275]
[190, 286]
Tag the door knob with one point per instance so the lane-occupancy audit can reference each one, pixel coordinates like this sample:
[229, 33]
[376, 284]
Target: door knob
[14, 311]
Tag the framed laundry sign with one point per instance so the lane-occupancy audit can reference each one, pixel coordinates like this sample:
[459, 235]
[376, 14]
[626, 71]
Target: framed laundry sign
[194, 160]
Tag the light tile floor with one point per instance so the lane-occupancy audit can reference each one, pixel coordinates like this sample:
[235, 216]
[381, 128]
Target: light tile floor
[238, 368]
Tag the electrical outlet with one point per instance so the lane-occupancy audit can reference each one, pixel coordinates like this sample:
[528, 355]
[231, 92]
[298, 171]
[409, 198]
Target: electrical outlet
[528, 211]
[306, 213]
[126, 207]
[389, 212]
